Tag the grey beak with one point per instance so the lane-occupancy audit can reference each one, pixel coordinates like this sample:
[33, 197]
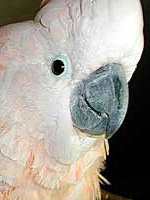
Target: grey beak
[99, 103]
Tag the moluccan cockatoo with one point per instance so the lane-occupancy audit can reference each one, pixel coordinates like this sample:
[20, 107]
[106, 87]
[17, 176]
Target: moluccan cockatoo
[63, 93]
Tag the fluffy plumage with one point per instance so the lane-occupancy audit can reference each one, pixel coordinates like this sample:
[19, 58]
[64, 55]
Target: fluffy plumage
[42, 155]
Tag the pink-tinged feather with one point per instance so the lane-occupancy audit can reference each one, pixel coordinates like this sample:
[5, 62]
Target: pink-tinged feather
[2, 69]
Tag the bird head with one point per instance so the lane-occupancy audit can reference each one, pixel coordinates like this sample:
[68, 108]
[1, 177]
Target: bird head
[96, 46]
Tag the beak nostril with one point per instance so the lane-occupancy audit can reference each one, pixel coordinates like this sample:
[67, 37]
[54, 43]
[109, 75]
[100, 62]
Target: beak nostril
[102, 69]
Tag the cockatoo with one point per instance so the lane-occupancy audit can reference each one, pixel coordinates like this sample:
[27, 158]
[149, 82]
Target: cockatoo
[63, 93]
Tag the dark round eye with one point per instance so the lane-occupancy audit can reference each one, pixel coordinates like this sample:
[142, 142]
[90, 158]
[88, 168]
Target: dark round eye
[58, 67]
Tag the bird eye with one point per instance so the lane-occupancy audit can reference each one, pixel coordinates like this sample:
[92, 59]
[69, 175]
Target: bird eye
[59, 65]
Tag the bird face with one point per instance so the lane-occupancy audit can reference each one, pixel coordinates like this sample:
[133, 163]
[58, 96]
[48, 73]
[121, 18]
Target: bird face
[98, 49]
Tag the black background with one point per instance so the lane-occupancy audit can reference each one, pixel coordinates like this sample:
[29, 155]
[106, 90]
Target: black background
[128, 163]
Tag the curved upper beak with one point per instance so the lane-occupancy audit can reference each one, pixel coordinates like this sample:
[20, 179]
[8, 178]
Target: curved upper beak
[99, 103]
